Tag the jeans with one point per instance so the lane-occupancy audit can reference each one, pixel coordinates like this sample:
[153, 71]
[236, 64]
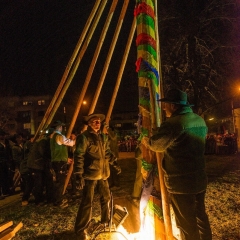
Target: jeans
[191, 217]
[84, 214]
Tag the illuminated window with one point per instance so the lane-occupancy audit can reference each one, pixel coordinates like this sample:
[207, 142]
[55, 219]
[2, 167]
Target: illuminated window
[41, 102]
[27, 103]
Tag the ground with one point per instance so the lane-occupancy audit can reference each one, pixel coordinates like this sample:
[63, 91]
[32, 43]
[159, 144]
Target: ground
[50, 223]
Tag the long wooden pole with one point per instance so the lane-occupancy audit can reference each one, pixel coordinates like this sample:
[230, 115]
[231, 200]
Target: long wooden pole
[87, 80]
[92, 65]
[109, 56]
[158, 116]
[77, 61]
[124, 60]
[66, 72]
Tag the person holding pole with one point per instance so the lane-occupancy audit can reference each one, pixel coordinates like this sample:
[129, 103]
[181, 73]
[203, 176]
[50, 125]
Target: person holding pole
[59, 161]
[92, 157]
[182, 139]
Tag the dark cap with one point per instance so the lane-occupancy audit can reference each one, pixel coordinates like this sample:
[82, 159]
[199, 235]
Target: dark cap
[176, 96]
[57, 123]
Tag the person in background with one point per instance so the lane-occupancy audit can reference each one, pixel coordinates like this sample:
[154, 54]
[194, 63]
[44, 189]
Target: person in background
[59, 161]
[91, 166]
[25, 172]
[5, 158]
[39, 163]
[182, 139]
[17, 155]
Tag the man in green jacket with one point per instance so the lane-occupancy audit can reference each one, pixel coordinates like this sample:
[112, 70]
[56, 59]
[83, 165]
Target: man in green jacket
[60, 161]
[182, 139]
[91, 162]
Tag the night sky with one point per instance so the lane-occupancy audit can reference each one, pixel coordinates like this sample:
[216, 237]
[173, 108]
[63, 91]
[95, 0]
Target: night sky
[38, 39]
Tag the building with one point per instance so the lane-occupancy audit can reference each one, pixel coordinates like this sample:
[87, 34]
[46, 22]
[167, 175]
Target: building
[23, 114]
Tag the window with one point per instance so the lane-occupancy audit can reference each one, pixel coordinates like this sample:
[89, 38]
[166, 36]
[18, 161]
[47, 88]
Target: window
[41, 102]
[25, 103]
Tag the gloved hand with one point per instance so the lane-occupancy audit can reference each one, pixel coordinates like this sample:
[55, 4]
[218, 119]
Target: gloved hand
[80, 182]
[117, 168]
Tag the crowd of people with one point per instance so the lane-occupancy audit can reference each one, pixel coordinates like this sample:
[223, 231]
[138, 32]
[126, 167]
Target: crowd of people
[221, 144]
[38, 167]
[43, 165]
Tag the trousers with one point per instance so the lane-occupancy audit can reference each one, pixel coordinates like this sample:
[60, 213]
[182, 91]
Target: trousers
[60, 169]
[191, 217]
[84, 214]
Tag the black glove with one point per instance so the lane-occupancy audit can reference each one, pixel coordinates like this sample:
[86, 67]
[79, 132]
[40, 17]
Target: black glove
[80, 182]
[117, 168]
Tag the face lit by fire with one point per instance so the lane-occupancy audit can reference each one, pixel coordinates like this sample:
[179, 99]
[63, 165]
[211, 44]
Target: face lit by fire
[95, 123]
[169, 108]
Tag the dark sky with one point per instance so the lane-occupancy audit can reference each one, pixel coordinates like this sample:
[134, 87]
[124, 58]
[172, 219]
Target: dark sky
[37, 39]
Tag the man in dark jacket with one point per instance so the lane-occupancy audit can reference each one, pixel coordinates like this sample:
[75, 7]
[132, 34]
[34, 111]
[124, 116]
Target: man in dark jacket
[39, 163]
[91, 161]
[182, 139]
[26, 173]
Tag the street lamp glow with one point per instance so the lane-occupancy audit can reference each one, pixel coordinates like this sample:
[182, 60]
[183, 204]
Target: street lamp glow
[84, 102]
[210, 119]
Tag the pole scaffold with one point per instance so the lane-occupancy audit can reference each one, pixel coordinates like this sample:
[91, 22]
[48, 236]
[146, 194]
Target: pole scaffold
[148, 68]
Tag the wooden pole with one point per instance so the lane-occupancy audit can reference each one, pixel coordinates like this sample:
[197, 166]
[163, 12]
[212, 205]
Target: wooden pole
[92, 65]
[109, 56]
[87, 80]
[158, 116]
[77, 62]
[124, 60]
[66, 72]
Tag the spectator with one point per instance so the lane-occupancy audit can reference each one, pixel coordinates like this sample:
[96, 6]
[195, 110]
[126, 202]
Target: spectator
[60, 161]
[39, 162]
[25, 172]
[17, 155]
[5, 156]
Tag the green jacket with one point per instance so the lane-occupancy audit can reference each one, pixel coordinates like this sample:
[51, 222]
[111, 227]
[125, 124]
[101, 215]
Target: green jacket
[58, 152]
[93, 155]
[182, 139]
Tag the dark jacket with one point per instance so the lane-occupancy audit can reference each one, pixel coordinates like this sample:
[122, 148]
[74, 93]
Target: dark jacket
[23, 165]
[182, 139]
[93, 155]
[17, 154]
[40, 154]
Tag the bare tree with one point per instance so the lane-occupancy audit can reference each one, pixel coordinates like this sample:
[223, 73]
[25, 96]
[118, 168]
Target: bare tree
[199, 48]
